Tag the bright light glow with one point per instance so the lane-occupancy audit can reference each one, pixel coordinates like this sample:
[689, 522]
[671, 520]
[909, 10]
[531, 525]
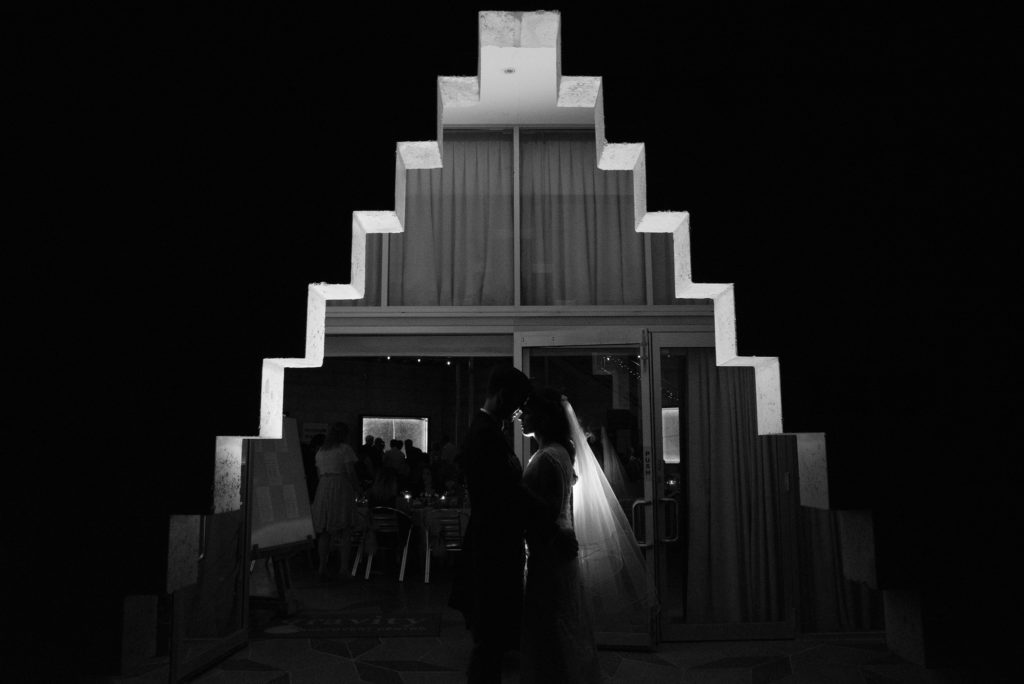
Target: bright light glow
[389, 428]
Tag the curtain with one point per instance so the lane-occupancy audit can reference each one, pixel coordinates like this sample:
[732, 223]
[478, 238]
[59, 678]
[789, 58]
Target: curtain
[579, 241]
[663, 270]
[743, 491]
[736, 517]
[457, 247]
[828, 601]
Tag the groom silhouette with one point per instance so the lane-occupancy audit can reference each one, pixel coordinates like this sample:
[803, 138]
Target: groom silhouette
[488, 586]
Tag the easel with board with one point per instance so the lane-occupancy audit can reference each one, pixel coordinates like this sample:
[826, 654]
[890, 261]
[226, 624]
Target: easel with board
[281, 519]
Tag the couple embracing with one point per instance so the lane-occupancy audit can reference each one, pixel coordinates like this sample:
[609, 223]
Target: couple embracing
[547, 620]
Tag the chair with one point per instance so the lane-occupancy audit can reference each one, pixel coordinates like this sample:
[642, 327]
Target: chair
[386, 523]
[452, 524]
[357, 540]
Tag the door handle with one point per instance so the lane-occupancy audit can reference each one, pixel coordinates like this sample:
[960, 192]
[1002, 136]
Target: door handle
[637, 505]
[675, 505]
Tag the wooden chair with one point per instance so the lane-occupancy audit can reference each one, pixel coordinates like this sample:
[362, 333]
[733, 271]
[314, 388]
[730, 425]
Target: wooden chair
[388, 525]
[453, 524]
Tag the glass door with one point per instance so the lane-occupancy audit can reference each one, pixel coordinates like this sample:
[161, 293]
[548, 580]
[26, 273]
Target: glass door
[711, 504]
[604, 375]
[725, 510]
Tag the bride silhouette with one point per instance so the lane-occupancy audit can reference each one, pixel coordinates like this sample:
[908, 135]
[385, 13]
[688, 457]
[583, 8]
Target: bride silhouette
[564, 592]
[557, 642]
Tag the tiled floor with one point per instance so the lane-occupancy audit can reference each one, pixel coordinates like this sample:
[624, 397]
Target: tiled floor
[853, 659]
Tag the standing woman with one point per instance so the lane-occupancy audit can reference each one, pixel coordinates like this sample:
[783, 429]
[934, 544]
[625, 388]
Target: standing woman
[334, 505]
[558, 638]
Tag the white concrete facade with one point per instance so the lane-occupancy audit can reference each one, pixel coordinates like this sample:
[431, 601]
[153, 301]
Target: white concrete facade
[520, 83]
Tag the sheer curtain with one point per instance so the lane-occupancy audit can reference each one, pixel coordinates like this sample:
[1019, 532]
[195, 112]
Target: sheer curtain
[457, 247]
[579, 242]
[735, 506]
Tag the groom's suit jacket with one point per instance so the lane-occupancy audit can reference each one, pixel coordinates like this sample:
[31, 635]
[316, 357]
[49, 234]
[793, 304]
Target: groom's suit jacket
[494, 479]
[488, 586]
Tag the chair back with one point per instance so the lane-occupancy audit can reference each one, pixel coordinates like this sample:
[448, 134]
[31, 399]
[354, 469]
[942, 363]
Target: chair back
[387, 520]
[452, 523]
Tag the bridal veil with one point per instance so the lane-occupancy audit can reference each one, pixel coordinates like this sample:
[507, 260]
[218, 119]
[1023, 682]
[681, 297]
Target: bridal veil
[622, 596]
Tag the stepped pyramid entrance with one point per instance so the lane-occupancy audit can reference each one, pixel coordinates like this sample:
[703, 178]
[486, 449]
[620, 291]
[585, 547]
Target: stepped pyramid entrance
[522, 234]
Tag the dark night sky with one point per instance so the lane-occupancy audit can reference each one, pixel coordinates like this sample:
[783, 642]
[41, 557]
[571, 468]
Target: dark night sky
[847, 169]
[176, 178]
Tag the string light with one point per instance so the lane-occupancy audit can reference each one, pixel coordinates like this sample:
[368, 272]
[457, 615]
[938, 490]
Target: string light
[633, 369]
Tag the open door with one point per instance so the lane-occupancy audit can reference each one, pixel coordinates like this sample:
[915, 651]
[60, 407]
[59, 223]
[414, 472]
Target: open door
[603, 373]
[712, 503]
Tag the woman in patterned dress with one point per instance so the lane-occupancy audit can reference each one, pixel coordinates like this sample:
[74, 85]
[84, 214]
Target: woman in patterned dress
[334, 505]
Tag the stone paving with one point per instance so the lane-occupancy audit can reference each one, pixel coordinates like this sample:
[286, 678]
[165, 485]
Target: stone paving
[838, 659]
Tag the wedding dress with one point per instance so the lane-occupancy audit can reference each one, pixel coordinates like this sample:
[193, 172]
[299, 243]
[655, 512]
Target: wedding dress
[613, 572]
[557, 642]
[606, 588]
